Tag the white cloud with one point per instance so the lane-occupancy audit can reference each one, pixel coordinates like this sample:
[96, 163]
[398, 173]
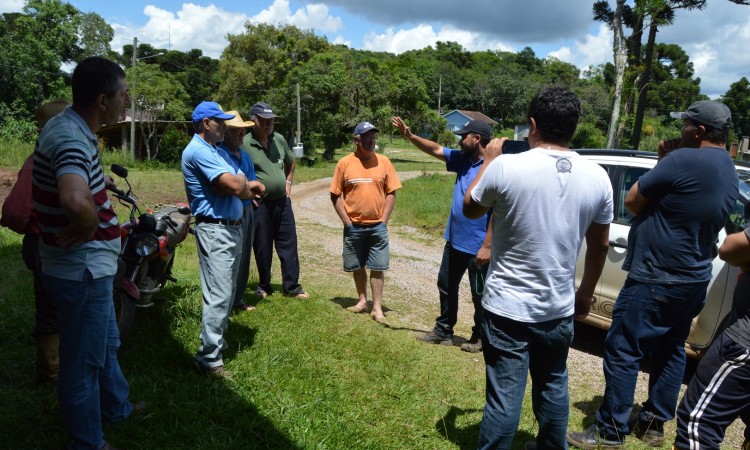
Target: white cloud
[195, 26]
[592, 50]
[315, 16]
[341, 40]
[424, 35]
[8, 6]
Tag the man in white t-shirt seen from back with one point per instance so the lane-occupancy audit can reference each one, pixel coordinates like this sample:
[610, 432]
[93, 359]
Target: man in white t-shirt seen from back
[544, 201]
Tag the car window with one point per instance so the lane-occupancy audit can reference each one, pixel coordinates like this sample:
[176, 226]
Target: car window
[738, 216]
[627, 180]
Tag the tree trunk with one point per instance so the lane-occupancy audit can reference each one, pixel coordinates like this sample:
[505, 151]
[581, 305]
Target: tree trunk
[620, 58]
[643, 82]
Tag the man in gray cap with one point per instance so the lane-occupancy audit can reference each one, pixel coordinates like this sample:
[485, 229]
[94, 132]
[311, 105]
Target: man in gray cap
[274, 218]
[680, 206]
[467, 241]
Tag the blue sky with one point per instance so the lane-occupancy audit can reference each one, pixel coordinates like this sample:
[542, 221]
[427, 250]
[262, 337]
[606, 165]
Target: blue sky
[716, 38]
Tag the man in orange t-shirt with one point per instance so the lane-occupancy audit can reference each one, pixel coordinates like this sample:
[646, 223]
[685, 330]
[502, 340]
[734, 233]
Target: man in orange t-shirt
[363, 191]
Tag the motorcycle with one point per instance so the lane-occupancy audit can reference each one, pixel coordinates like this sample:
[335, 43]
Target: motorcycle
[149, 241]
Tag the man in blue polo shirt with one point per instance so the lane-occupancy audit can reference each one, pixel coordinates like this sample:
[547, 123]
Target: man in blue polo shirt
[232, 153]
[214, 189]
[468, 241]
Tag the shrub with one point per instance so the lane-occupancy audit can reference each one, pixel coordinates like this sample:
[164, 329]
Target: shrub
[172, 144]
[588, 136]
[447, 139]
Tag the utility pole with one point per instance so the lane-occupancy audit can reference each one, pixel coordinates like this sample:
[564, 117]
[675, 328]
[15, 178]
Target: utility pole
[440, 94]
[298, 140]
[132, 101]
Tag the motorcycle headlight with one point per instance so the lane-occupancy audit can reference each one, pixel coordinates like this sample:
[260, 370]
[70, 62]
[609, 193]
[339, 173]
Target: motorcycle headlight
[146, 245]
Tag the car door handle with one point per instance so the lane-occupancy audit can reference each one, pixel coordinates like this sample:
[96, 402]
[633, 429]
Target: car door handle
[617, 244]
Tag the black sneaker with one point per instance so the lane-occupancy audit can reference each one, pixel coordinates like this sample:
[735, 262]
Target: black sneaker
[433, 338]
[648, 429]
[472, 347]
[591, 440]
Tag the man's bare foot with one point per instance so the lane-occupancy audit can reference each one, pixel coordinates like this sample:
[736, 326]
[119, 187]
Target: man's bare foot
[379, 318]
[358, 308]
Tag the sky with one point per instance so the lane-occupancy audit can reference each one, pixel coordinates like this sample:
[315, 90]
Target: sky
[716, 38]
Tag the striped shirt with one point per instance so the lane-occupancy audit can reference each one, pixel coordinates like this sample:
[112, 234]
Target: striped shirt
[66, 145]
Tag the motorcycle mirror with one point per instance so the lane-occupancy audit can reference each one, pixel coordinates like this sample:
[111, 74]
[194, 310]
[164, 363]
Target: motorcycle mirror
[120, 171]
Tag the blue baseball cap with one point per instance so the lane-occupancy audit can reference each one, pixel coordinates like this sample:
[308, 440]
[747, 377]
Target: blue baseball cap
[206, 110]
[364, 127]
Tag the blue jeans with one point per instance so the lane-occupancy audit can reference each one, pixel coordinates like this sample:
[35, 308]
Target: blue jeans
[512, 350]
[218, 261]
[653, 319]
[452, 269]
[91, 384]
[246, 250]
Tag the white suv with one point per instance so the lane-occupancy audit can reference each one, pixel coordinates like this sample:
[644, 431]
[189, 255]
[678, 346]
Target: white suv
[624, 168]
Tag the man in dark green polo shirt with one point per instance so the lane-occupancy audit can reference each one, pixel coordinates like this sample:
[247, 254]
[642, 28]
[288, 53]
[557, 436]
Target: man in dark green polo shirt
[274, 218]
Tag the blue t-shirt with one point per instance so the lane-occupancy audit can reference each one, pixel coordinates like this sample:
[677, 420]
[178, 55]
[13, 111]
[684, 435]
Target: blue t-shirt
[243, 163]
[464, 234]
[201, 165]
[690, 195]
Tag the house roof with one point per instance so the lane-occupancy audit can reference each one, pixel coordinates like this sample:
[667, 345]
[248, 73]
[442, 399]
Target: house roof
[473, 115]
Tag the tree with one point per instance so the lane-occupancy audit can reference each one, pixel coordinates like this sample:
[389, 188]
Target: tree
[95, 36]
[159, 97]
[661, 13]
[615, 22]
[737, 98]
[258, 61]
[655, 13]
[37, 42]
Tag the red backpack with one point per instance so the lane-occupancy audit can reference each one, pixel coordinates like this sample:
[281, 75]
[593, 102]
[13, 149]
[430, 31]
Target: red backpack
[18, 206]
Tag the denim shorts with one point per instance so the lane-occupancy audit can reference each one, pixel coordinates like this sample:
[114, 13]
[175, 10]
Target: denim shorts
[366, 245]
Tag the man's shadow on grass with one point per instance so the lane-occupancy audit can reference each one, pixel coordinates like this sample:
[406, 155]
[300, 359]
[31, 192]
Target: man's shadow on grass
[466, 437]
[186, 409]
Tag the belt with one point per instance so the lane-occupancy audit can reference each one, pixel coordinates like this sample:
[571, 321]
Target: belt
[205, 219]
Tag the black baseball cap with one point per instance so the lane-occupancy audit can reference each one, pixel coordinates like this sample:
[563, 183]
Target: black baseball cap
[476, 126]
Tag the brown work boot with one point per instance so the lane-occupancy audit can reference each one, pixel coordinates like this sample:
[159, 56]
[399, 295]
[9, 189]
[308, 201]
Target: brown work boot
[47, 358]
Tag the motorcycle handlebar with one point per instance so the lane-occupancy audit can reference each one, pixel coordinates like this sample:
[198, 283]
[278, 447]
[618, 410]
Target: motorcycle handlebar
[122, 195]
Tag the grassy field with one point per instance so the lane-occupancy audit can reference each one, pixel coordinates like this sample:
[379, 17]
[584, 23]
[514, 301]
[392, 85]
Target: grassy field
[307, 375]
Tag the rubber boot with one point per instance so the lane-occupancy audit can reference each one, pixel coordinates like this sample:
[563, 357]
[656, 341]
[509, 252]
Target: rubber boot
[47, 358]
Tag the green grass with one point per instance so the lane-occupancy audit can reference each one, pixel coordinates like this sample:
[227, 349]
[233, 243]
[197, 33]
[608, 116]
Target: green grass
[424, 203]
[307, 375]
